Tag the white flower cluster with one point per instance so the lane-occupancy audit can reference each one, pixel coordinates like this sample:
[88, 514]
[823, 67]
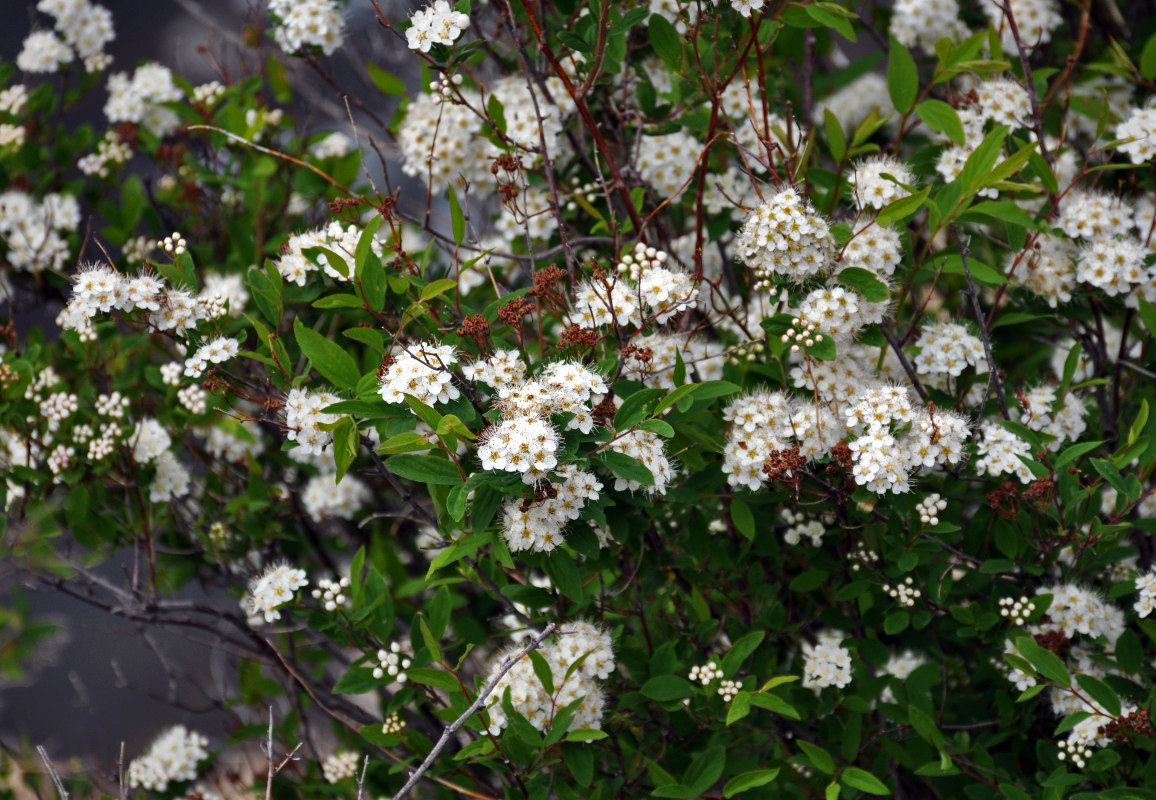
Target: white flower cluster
[1042, 410]
[1000, 451]
[904, 593]
[929, 507]
[304, 418]
[296, 267]
[1112, 264]
[706, 673]
[1146, 586]
[502, 368]
[563, 387]
[13, 99]
[171, 758]
[1048, 267]
[1036, 20]
[32, 230]
[137, 99]
[82, 30]
[648, 448]
[879, 181]
[856, 101]
[784, 237]
[437, 23]
[1140, 131]
[1079, 611]
[900, 666]
[524, 444]
[109, 150]
[826, 662]
[664, 292]
[922, 23]
[1087, 214]
[335, 145]
[150, 445]
[663, 351]
[763, 422]
[234, 441]
[325, 498]
[99, 289]
[340, 766]
[421, 370]
[538, 524]
[873, 247]
[1016, 610]
[443, 142]
[331, 593]
[392, 663]
[948, 348]
[308, 23]
[802, 528]
[668, 162]
[659, 294]
[217, 351]
[833, 311]
[529, 698]
[270, 590]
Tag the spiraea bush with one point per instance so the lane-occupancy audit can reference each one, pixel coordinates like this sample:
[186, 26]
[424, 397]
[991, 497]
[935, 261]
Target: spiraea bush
[745, 398]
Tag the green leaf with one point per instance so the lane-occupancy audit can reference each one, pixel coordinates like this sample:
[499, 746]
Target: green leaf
[664, 688]
[1129, 652]
[743, 518]
[774, 704]
[864, 282]
[741, 650]
[329, 359]
[404, 443]
[902, 77]
[435, 288]
[635, 408]
[836, 140]
[981, 161]
[1111, 474]
[749, 780]
[896, 622]
[425, 469]
[952, 264]
[1148, 58]
[543, 671]
[1101, 692]
[358, 680]
[820, 759]
[1070, 454]
[456, 217]
[626, 467]
[864, 781]
[1045, 662]
[941, 117]
[346, 442]
[904, 207]
[586, 735]
[705, 769]
[666, 42]
[438, 678]
[925, 726]
[707, 390]
[740, 706]
[388, 82]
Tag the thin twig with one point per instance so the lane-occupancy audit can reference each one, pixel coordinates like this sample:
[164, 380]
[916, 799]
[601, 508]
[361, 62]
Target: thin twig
[52, 771]
[993, 380]
[487, 690]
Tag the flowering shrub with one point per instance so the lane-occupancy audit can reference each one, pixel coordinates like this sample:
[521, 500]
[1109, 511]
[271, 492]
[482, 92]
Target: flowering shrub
[705, 413]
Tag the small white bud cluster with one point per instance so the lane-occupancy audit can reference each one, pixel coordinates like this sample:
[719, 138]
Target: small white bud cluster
[727, 690]
[803, 333]
[863, 557]
[706, 673]
[750, 351]
[393, 724]
[193, 398]
[174, 245]
[641, 259]
[208, 93]
[111, 405]
[340, 766]
[171, 373]
[1016, 610]
[391, 663]
[443, 86]
[100, 448]
[904, 593]
[586, 191]
[60, 458]
[332, 594]
[173, 756]
[929, 508]
[1075, 749]
[110, 150]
